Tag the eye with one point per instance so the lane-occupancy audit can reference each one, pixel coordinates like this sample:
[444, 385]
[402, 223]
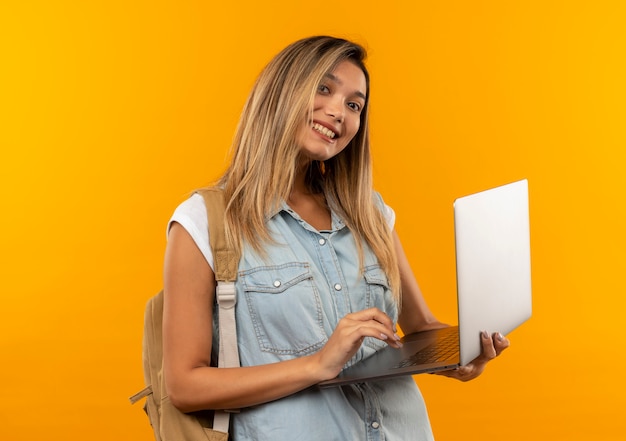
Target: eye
[322, 88]
[355, 106]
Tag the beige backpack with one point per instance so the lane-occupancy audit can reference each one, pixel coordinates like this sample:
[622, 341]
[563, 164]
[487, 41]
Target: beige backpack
[168, 423]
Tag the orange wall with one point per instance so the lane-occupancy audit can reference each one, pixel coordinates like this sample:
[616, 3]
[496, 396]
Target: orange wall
[112, 111]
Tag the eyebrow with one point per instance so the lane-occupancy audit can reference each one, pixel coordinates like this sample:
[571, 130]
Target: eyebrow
[338, 81]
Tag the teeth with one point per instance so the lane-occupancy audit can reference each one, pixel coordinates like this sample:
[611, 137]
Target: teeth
[324, 131]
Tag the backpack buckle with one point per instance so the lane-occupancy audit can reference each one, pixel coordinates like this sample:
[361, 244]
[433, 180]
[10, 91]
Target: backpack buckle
[226, 294]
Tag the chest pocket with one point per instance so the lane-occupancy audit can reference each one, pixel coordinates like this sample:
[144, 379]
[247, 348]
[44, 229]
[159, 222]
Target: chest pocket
[378, 295]
[285, 308]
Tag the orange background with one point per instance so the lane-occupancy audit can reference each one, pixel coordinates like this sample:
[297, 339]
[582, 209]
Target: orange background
[112, 111]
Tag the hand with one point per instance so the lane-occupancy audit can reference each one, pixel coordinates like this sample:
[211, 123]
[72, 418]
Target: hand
[492, 347]
[349, 335]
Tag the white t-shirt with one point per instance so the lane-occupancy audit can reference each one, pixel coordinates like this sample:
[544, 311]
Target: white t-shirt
[191, 214]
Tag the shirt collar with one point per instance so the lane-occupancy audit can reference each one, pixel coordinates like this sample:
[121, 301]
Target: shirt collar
[337, 222]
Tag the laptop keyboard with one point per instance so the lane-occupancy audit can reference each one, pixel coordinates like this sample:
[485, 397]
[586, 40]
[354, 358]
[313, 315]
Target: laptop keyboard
[447, 346]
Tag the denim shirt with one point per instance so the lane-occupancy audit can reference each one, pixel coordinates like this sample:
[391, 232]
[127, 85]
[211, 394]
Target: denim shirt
[288, 304]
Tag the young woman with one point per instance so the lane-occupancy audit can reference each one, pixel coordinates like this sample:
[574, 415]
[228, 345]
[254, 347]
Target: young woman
[322, 279]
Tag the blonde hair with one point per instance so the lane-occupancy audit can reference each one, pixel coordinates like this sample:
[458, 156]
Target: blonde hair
[265, 154]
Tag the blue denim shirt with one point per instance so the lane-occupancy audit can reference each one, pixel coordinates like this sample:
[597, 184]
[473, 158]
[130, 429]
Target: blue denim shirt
[289, 303]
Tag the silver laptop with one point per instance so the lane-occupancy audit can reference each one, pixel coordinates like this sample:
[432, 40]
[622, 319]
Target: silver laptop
[492, 239]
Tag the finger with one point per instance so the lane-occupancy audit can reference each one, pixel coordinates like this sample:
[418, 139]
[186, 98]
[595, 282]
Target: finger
[376, 319]
[372, 314]
[489, 350]
[374, 329]
[448, 373]
[500, 342]
[465, 372]
[356, 326]
[462, 373]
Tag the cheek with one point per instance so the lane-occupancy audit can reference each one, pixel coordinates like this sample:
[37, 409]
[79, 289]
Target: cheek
[303, 132]
[353, 128]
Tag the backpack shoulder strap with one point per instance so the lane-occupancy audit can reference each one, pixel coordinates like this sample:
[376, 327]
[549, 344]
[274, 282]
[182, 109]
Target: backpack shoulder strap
[226, 263]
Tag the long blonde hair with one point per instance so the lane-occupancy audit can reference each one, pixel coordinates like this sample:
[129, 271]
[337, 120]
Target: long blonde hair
[265, 153]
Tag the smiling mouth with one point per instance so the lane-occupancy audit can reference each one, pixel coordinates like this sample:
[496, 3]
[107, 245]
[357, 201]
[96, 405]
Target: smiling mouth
[324, 131]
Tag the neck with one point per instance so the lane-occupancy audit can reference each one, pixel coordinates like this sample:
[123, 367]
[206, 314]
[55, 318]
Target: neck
[300, 186]
[310, 206]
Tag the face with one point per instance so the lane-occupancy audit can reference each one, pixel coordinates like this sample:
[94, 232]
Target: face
[337, 107]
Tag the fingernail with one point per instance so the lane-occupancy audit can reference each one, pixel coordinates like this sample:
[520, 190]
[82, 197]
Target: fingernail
[383, 336]
[485, 335]
[499, 336]
[396, 336]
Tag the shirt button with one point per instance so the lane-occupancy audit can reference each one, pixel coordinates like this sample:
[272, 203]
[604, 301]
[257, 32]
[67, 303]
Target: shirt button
[337, 287]
[375, 425]
[276, 283]
[322, 241]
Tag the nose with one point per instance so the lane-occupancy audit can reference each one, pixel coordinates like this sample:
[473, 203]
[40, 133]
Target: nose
[335, 109]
